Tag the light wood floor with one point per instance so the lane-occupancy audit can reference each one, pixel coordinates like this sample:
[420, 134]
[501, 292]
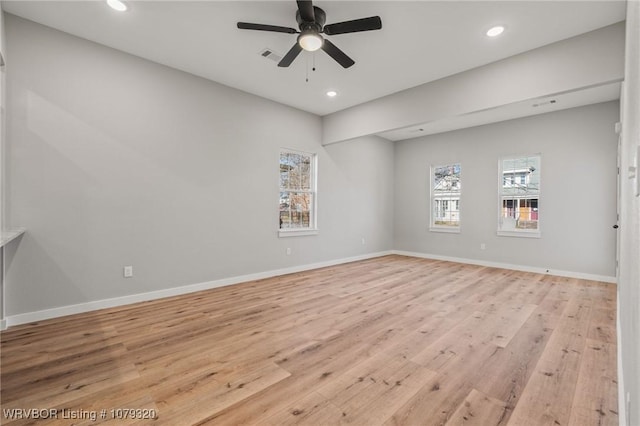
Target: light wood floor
[392, 340]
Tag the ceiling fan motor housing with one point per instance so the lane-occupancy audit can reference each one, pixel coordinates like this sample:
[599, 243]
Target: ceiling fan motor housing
[320, 18]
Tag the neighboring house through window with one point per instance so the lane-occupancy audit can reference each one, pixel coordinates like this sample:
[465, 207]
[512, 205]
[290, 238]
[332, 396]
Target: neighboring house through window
[446, 190]
[519, 196]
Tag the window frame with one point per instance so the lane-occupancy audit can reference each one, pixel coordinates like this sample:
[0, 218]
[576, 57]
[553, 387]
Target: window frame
[433, 227]
[522, 233]
[312, 229]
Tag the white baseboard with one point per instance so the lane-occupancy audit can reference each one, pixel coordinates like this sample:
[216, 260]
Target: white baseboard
[175, 291]
[579, 275]
[622, 401]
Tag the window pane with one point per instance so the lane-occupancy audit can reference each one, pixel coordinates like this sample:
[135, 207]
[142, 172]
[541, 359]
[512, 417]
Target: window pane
[446, 179]
[295, 164]
[293, 173]
[284, 177]
[300, 209]
[284, 170]
[521, 176]
[519, 214]
[300, 201]
[297, 170]
[305, 172]
[285, 216]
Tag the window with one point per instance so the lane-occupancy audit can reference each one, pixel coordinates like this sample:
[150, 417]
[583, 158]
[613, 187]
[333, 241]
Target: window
[297, 193]
[445, 198]
[519, 196]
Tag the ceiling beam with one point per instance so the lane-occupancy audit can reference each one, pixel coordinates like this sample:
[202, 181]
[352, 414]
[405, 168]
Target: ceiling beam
[584, 61]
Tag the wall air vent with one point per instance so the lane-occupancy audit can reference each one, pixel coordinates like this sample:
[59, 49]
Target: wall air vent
[270, 54]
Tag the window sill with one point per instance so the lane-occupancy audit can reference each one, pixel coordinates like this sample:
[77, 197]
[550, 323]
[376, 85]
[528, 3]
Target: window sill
[451, 230]
[522, 234]
[282, 233]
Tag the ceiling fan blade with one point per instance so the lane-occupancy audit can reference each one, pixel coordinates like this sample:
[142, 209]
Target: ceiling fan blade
[263, 27]
[337, 54]
[290, 56]
[357, 25]
[305, 7]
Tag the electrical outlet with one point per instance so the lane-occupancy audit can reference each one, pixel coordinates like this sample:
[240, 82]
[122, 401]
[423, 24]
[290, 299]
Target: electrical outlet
[288, 251]
[128, 271]
[483, 246]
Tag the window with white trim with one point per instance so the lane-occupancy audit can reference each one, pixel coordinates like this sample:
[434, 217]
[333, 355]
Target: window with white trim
[297, 213]
[519, 183]
[446, 189]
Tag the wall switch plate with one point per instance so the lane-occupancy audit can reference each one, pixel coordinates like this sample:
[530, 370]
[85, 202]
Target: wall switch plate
[128, 271]
[363, 241]
[288, 251]
[483, 246]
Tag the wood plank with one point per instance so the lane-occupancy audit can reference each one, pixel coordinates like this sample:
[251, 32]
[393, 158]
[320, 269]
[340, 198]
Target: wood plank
[602, 326]
[496, 327]
[505, 374]
[312, 409]
[595, 401]
[441, 395]
[199, 399]
[375, 388]
[548, 395]
[481, 410]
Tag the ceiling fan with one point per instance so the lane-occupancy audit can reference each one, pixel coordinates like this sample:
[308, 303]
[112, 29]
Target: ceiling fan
[311, 21]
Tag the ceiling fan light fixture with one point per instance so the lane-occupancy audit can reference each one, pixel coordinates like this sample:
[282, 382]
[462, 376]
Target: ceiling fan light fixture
[310, 41]
[117, 5]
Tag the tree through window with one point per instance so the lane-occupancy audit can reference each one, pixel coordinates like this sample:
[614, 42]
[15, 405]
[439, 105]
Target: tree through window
[297, 191]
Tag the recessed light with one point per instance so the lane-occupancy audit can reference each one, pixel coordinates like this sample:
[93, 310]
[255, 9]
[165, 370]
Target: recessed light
[495, 31]
[332, 93]
[117, 5]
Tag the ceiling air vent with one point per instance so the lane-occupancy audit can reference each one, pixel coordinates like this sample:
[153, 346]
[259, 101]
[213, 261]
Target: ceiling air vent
[270, 54]
[548, 102]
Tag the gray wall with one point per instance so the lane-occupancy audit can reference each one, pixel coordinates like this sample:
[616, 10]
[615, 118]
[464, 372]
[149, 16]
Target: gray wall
[115, 160]
[578, 200]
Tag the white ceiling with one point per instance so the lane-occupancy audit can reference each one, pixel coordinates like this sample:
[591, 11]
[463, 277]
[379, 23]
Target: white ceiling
[420, 41]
